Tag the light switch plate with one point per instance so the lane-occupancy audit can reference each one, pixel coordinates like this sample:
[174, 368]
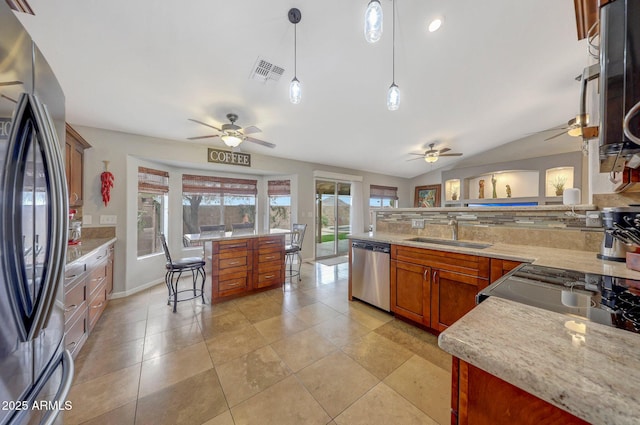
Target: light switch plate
[108, 219]
[417, 223]
[87, 219]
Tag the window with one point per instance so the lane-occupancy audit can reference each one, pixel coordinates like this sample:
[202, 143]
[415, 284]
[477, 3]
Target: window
[153, 187]
[217, 200]
[383, 196]
[279, 193]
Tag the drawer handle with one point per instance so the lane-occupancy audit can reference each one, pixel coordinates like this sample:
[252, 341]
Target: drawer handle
[271, 276]
[99, 305]
[271, 257]
[235, 283]
[70, 277]
[98, 279]
[233, 263]
[72, 344]
[70, 308]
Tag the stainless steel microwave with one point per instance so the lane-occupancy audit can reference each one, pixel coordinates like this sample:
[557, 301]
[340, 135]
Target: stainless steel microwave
[619, 80]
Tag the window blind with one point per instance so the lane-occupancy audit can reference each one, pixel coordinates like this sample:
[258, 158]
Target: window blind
[384, 192]
[278, 187]
[153, 181]
[200, 185]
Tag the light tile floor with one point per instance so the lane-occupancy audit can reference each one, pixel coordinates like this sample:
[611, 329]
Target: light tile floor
[305, 355]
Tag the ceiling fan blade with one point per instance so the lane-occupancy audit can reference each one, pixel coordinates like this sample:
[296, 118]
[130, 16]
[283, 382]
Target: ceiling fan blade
[8, 98]
[10, 83]
[260, 142]
[553, 137]
[443, 150]
[252, 129]
[413, 159]
[205, 124]
[203, 137]
[451, 154]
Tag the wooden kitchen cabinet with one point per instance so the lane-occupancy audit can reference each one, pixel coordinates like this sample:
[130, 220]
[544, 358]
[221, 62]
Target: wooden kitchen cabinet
[479, 398]
[411, 291]
[501, 267]
[240, 267]
[75, 145]
[232, 267]
[452, 296]
[435, 288]
[269, 256]
[87, 286]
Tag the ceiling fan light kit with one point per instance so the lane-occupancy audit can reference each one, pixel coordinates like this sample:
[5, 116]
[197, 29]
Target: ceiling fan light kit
[295, 89]
[231, 140]
[373, 21]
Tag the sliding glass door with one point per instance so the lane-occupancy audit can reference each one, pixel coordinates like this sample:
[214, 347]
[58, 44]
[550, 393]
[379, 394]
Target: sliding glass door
[333, 218]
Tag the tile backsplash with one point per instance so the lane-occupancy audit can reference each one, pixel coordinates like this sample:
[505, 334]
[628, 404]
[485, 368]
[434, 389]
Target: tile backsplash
[553, 227]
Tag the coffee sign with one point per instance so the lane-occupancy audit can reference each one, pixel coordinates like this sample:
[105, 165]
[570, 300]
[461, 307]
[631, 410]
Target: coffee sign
[227, 157]
[5, 127]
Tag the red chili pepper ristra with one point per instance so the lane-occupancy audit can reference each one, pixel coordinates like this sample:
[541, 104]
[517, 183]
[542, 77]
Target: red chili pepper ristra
[107, 179]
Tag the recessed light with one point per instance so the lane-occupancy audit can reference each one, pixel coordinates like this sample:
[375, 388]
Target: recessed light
[435, 24]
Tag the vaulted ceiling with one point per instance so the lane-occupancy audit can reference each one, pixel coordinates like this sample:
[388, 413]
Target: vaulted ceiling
[496, 71]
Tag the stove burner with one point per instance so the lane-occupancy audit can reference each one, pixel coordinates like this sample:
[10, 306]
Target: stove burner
[629, 300]
[600, 298]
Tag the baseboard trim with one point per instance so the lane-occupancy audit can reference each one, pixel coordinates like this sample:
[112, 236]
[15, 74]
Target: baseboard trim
[135, 290]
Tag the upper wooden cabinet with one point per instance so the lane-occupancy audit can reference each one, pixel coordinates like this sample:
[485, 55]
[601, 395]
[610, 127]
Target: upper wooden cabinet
[75, 145]
[587, 14]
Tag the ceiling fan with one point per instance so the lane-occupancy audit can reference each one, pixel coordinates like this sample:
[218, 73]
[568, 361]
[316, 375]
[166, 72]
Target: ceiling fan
[573, 128]
[431, 155]
[232, 134]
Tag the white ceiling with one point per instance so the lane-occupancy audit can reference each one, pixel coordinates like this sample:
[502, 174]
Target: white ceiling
[496, 71]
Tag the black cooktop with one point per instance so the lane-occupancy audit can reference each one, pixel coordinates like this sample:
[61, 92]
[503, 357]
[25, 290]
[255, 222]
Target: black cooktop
[609, 300]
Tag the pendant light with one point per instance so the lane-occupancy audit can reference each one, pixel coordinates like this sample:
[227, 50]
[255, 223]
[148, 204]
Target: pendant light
[295, 89]
[373, 21]
[393, 95]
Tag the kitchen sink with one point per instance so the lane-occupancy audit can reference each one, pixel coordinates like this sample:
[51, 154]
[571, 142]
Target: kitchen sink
[462, 244]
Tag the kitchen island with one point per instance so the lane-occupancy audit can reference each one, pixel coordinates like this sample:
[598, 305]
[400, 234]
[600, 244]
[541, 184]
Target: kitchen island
[587, 369]
[518, 360]
[243, 264]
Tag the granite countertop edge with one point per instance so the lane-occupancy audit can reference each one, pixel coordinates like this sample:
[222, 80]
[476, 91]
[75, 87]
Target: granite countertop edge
[87, 247]
[588, 369]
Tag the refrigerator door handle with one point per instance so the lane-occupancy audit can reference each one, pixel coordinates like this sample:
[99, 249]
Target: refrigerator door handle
[33, 125]
[63, 390]
[59, 208]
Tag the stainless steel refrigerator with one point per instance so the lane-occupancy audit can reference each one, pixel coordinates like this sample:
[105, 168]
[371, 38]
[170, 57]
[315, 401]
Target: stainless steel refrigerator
[35, 369]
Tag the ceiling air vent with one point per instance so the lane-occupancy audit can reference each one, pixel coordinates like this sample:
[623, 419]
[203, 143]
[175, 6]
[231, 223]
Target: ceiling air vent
[263, 71]
[20, 6]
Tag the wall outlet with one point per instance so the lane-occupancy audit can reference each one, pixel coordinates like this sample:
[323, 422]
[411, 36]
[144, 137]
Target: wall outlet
[86, 219]
[417, 223]
[593, 219]
[108, 219]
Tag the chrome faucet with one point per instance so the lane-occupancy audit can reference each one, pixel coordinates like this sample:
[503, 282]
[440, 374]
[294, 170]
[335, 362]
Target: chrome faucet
[454, 229]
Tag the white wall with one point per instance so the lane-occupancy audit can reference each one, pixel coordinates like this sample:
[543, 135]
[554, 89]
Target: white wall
[127, 151]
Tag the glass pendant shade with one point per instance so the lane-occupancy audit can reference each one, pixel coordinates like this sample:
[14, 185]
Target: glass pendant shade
[295, 91]
[231, 140]
[393, 97]
[431, 158]
[373, 22]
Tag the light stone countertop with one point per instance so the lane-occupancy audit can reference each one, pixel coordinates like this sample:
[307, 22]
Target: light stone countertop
[584, 261]
[85, 248]
[588, 369]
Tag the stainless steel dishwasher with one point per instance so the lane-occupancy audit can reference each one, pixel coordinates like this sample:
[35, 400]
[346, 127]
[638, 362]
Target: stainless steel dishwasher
[370, 273]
